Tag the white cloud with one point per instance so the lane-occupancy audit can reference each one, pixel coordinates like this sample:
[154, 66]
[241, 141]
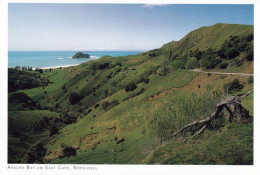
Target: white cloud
[150, 6]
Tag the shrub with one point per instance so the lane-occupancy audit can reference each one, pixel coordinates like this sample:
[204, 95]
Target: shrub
[96, 106]
[178, 64]
[146, 80]
[19, 98]
[134, 94]
[233, 86]
[191, 63]
[40, 70]
[249, 53]
[74, 98]
[112, 90]
[68, 119]
[250, 79]
[69, 151]
[238, 62]
[223, 65]
[21, 80]
[36, 154]
[209, 63]
[114, 103]
[130, 87]
[54, 130]
[105, 105]
[163, 70]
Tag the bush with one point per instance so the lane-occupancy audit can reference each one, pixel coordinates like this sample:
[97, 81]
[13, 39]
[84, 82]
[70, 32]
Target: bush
[69, 151]
[146, 80]
[19, 98]
[21, 80]
[223, 65]
[233, 86]
[209, 59]
[96, 106]
[105, 105]
[113, 103]
[69, 119]
[191, 63]
[130, 87]
[178, 64]
[163, 70]
[250, 79]
[209, 63]
[249, 53]
[238, 62]
[54, 130]
[36, 154]
[74, 98]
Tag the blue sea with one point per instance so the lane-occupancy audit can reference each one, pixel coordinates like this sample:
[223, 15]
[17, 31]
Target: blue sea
[43, 59]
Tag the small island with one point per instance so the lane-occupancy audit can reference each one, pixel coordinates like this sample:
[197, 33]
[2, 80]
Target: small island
[81, 55]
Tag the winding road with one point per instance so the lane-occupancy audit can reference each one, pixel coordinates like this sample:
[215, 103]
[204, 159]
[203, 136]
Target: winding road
[223, 73]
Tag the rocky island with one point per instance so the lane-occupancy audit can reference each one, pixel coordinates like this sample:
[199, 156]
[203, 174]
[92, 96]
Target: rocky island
[80, 55]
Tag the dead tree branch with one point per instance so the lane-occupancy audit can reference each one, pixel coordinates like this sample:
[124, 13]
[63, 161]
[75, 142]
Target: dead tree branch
[236, 112]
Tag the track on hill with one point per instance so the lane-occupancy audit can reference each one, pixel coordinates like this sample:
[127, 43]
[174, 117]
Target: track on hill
[222, 73]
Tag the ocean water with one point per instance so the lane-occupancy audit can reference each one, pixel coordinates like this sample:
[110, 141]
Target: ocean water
[41, 59]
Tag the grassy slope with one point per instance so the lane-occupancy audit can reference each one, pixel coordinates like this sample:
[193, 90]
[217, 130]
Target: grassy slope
[130, 120]
[206, 37]
[231, 145]
[25, 123]
[94, 133]
[130, 117]
[56, 76]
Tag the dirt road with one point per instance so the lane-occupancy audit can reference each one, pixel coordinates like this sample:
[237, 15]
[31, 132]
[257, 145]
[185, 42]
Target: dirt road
[223, 73]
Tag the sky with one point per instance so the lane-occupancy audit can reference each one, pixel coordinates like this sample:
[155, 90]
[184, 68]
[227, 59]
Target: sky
[125, 27]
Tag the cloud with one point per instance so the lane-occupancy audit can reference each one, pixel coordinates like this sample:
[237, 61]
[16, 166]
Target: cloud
[150, 6]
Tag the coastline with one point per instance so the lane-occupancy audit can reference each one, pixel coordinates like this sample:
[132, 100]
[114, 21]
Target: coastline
[56, 67]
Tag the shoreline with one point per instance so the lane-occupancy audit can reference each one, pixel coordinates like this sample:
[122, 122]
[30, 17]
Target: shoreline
[56, 67]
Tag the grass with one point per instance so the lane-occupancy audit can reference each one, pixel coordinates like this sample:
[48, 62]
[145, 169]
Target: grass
[24, 132]
[232, 145]
[159, 95]
[57, 77]
[130, 118]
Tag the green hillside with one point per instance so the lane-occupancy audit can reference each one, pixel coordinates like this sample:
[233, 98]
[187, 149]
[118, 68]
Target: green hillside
[122, 110]
[208, 37]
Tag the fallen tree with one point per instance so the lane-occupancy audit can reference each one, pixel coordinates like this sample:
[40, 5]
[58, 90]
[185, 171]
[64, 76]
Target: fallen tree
[237, 113]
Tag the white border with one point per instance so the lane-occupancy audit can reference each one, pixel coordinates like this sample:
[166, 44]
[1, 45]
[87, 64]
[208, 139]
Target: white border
[126, 169]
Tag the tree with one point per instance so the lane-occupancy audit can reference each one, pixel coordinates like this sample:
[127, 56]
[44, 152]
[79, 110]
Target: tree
[54, 130]
[191, 63]
[17, 68]
[74, 98]
[233, 86]
[249, 53]
[178, 64]
[209, 59]
[130, 87]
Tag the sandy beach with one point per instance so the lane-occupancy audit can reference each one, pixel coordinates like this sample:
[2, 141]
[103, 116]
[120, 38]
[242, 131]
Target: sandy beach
[56, 67]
